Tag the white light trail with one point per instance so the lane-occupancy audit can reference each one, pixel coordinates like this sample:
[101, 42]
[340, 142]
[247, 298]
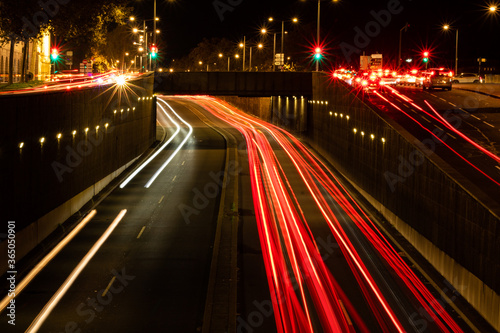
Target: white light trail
[34, 272]
[47, 309]
[143, 165]
[175, 152]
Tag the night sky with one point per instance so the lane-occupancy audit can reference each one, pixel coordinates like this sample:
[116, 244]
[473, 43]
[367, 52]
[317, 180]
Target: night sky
[184, 23]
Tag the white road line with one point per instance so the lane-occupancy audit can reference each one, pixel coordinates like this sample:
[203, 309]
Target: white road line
[452, 104]
[140, 232]
[109, 286]
[488, 124]
[498, 167]
[173, 179]
[443, 99]
[33, 273]
[450, 135]
[427, 120]
[51, 304]
[476, 117]
[161, 199]
[433, 95]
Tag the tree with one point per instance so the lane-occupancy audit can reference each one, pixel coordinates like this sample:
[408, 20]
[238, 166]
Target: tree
[16, 27]
[85, 24]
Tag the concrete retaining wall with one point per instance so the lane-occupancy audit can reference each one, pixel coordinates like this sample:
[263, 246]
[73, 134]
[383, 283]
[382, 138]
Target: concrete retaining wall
[101, 131]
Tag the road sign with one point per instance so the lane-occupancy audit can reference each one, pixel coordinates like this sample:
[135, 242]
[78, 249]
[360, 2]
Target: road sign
[279, 59]
[84, 61]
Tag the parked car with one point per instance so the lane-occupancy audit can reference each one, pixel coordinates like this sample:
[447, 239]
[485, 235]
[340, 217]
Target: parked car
[468, 78]
[437, 78]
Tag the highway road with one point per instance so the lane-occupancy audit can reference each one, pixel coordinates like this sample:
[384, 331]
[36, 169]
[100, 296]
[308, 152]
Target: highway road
[311, 258]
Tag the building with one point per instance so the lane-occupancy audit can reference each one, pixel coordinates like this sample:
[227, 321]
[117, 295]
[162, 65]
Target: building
[38, 61]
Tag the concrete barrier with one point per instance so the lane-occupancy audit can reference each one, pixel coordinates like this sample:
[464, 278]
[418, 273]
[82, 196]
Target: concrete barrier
[89, 136]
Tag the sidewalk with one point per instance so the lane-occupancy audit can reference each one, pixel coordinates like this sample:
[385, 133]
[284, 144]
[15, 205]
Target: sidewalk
[489, 89]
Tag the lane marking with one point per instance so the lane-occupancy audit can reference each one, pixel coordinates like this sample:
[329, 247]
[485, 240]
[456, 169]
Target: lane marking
[427, 120]
[498, 167]
[452, 104]
[161, 199]
[109, 286]
[51, 304]
[451, 136]
[432, 95]
[183, 162]
[349, 322]
[174, 178]
[140, 233]
[34, 272]
[439, 128]
[488, 124]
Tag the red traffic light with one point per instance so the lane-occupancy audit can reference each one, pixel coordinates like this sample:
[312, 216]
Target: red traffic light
[426, 54]
[54, 53]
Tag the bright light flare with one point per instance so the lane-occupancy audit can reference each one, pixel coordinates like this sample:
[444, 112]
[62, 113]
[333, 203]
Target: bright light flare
[121, 80]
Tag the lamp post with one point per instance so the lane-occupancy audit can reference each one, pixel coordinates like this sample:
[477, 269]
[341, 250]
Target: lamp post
[244, 46]
[405, 28]
[447, 27]
[271, 19]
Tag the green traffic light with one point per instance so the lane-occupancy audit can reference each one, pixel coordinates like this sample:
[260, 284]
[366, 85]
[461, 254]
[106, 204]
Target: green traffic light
[54, 55]
[425, 59]
[154, 54]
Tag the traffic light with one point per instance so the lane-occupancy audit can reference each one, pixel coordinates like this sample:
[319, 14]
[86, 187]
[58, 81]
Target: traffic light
[318, 55]
[154, 50]
[54, 54]
[425, 59]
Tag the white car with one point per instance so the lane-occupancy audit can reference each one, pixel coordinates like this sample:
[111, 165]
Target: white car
[467, 78]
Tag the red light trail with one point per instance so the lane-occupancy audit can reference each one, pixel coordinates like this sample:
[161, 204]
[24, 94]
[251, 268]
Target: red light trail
[299, 281]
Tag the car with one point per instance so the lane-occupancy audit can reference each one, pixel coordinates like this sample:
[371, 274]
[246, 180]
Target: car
[368, 81]
[437, 78]
[467, 78]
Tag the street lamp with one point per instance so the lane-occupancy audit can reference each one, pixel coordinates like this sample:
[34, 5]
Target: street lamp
[405, 28]
[282, 56]
[447, 27]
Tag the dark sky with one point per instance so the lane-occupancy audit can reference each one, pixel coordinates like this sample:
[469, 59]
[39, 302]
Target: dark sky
[185, 23]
